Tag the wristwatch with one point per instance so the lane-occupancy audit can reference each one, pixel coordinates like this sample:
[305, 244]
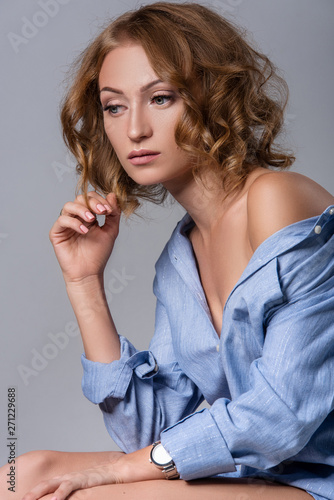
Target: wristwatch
[162, 459]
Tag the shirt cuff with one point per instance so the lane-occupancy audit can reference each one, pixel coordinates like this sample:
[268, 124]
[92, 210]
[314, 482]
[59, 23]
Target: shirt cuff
[103, 380]
[197, 447]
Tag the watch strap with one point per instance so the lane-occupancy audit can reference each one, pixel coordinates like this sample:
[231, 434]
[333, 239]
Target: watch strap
[169, 469]
[171, 472]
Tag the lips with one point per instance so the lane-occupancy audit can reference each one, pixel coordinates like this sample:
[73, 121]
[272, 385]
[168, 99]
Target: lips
[142, 156]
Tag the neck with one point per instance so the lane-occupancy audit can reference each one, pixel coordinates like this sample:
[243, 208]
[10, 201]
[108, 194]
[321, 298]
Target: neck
[208, 203]
[204, 202]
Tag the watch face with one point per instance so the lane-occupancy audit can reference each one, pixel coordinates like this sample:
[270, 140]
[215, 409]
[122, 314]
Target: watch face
[160, 456]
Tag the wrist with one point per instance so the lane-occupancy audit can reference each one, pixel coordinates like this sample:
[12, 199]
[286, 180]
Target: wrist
[136, 466]
[86, 292]
[88, 300]
[86, 283]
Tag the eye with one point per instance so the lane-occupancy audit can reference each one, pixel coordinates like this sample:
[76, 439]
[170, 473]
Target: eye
[113, 109]
[161, 99]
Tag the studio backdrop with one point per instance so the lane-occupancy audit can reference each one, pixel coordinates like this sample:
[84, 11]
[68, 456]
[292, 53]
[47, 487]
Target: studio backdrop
[40, 342]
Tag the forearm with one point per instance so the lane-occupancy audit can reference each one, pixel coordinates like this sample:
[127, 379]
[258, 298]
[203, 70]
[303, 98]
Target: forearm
[119, 468]
[98, 331]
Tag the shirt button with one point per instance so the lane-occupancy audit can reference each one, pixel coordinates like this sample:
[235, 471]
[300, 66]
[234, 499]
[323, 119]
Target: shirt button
[217, 347]
[331, 211]
[317, 229]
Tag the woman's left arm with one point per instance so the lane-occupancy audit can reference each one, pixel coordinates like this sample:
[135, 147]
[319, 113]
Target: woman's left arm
[125, 469]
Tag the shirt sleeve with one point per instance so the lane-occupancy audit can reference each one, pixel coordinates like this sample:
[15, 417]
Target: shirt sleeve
[291, 385]
[143, 392]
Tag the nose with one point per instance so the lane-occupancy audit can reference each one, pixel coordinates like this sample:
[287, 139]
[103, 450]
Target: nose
[139, 126]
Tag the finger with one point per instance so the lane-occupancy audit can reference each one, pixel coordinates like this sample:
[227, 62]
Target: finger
[73, 209]
[64, 490]
[97, 203]
[43, 488]
[112, 200]
[112, 221]
[77, 481]
[67, 222]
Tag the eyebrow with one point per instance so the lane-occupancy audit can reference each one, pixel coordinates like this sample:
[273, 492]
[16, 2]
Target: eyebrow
[142, 89]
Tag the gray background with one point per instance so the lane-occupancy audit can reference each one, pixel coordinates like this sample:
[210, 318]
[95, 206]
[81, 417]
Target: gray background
[38, 177]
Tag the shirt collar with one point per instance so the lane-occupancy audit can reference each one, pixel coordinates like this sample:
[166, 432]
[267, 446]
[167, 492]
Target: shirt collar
[182, 255]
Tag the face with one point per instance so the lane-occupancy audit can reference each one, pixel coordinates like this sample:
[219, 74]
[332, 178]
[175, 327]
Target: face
[140, 116]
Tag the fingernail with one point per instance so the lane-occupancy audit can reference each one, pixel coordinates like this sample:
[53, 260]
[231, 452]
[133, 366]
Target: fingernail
[89, 216]
[84, 229]
[100, 207]
[108, 208]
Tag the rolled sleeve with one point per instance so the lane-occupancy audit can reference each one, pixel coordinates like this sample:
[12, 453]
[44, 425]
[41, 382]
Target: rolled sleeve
[103, 380]
[203, 456]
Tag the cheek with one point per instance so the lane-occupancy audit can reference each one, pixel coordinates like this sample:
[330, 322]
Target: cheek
[113, 135]
[165, 132]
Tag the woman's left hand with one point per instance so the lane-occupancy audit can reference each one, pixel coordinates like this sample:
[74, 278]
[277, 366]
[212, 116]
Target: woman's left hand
[63, 486]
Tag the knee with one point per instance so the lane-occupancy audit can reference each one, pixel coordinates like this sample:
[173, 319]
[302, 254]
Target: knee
[27, 471]
[32, 468]
[41, 461]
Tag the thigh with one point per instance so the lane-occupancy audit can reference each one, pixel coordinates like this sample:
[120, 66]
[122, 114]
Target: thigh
[193, 490]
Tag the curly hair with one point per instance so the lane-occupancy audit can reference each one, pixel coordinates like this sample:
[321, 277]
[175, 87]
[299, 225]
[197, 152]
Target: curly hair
[233, 95]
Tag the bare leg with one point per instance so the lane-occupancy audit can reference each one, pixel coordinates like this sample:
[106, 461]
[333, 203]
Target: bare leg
[194, 490]
[36, 466]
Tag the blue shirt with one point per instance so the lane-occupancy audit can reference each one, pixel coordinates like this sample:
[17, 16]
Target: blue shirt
[269, 378]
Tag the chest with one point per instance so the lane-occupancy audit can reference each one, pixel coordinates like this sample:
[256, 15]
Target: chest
[225, 362]
[220, 264]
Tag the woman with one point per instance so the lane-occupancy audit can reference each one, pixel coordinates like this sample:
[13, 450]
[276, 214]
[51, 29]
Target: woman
[172, 99]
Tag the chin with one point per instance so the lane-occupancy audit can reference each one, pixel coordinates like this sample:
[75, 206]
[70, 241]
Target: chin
[146, 179]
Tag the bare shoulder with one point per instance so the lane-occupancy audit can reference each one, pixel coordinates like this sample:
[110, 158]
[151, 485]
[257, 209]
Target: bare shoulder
[278, 199]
